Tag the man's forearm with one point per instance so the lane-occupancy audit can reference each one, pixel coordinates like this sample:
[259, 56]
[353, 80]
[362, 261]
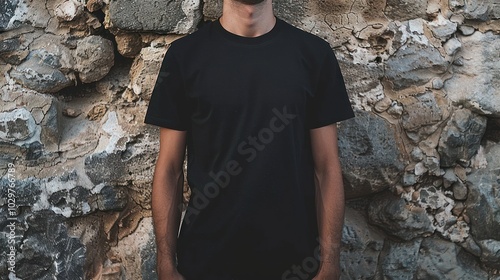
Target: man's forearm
[165, 200]
[330, 210]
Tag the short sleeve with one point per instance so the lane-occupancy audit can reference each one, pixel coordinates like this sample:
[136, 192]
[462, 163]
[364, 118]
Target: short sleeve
[168, 106]
[329, 102]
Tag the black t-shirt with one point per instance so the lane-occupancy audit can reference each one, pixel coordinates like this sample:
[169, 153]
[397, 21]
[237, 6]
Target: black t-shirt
[247, 105]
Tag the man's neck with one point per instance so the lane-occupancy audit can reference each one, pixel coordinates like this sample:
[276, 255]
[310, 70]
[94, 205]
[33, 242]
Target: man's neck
[247, 20]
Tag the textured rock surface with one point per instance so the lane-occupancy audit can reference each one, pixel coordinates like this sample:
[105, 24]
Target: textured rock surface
[365, 170]
[421, 159]
[178, 16]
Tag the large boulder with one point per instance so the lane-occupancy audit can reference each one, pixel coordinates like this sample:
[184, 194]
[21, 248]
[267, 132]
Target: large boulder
[94, 58]
[162, 16]
[476, 83]
[483, 200]
[461, 137]
[415, 64]
[361, 246]
[440, 259]
[366, 169]
[398, 218]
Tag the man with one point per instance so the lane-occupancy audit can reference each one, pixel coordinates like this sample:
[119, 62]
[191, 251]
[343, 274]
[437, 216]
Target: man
[256, 101]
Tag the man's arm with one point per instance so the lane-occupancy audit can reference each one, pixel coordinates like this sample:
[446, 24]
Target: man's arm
[165, 200]
[329, 199]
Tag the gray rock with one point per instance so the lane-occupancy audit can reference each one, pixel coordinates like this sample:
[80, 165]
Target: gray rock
[9, 45]
[96, 167]
[94, 58]
[476, 83]
[398, 259]
[477, 9]
[421, 110]
[162, 16]
[437, 83]
[7, 11]
[360, 78]
[365, 169]
[402, 11]
[396, 218]
[48, 252]
[466, 30]
[461, 137]
[414, 64]
[361, 246]
[35, 74]
[440, 259]
[483, 200]
[459, 190]
[112, 198]
[452, 46]
[148, 259]
[490, 252]
[443, 29]
[17, 125]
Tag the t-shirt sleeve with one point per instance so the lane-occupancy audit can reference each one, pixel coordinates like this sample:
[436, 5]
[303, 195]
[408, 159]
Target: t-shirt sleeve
[168, 106]
[330, 102]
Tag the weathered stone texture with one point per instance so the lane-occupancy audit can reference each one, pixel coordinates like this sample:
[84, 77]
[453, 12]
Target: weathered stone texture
[461, 138]
[420, 160]
[477, 81]
[179, 16]
[365, 170]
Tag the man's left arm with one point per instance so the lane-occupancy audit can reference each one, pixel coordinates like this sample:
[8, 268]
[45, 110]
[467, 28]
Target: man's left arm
[329, 199]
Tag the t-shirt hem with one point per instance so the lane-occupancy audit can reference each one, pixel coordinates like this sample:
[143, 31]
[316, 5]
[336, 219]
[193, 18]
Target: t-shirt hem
[163, 123]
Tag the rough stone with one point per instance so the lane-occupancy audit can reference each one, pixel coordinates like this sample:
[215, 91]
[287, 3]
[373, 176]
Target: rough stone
[461, 137]
[37, 75]
[361, 246]
[47, 252]
[466, 30]
[7, 11]
[414, 64]
[69, 10]
[94, 5]
[421, 110]
[402, 11]
[398, 259]
[479, 10]
[399, 219]
[442, 28]
[483, 201]
[145, 71]
[17, 125]
[440, 259]
[452, 46]
[459, 190]
[94, 58]
[366, 171]
[490, 252]
[129, 45]
[163, 16]
[475, 84]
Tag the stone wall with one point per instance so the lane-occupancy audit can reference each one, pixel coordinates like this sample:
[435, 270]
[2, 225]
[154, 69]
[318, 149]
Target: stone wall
[421, 160]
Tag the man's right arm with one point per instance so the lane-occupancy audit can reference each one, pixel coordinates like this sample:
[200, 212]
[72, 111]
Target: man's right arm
[166, 197]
